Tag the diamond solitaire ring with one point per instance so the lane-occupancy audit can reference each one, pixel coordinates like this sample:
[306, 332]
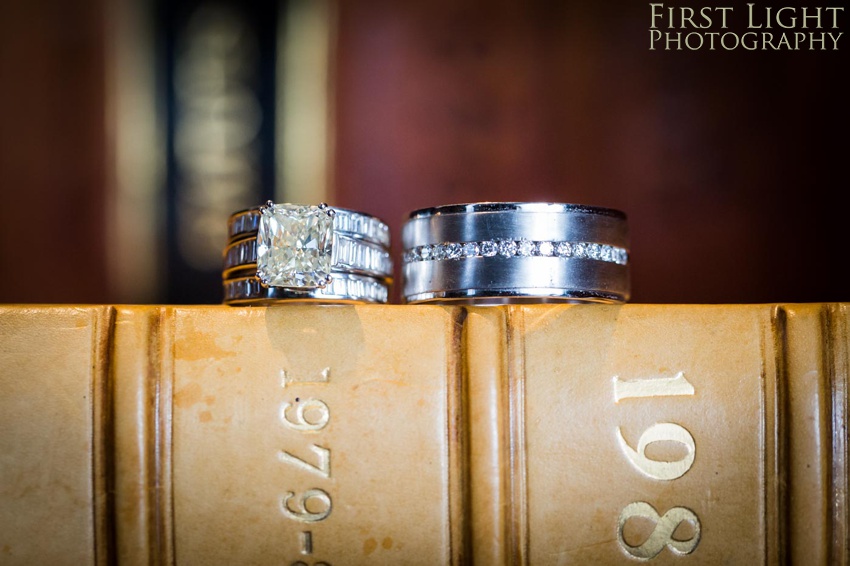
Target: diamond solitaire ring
[514, 252]
[291, 252]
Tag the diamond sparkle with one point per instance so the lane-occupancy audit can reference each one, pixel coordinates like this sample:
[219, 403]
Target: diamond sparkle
[545, 248]
[525, 248]
[507, 248]
[295, 246]
[564, 249]
[489, 248]
[470, 249]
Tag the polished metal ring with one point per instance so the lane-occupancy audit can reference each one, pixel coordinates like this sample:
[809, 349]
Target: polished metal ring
[510, 252]
[288, 252]
[343, 288]
[346, 221]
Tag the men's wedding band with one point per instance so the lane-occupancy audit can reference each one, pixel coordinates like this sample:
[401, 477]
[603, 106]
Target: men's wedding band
[506, 252]
[291, 252]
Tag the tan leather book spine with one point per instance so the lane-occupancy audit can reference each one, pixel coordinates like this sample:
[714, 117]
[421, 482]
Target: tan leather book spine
[295, 435]
[702, 434]
[424, 435]
[55, 438]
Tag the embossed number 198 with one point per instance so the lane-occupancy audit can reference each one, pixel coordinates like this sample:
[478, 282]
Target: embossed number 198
[666, 524]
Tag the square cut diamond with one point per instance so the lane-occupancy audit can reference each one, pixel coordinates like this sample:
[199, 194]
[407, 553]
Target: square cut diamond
[295, 246]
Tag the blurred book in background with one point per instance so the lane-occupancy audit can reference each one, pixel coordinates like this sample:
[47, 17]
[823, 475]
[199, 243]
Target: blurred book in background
[211, 101]
[219, 68]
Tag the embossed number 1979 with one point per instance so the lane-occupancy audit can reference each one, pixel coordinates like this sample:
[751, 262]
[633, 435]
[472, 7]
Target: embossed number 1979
[307, 415]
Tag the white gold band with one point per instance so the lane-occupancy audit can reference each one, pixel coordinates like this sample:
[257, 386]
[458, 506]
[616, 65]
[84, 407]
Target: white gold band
[295, 252]
[355, 224]
[515, 252]
[344, 288]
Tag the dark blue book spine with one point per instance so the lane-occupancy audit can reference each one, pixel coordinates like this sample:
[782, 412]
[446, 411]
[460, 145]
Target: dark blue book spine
[217, 78]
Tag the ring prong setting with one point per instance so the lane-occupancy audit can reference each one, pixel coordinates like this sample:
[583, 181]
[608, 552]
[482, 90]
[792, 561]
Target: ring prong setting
[294, 246]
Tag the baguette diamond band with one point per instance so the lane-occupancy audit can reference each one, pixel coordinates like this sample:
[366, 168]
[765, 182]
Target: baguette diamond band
[290, 252]
[346, 221]
[504, 252]
[343, 288]
[348, 253]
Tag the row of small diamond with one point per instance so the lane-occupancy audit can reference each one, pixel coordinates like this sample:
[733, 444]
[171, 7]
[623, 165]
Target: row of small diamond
[521, 248]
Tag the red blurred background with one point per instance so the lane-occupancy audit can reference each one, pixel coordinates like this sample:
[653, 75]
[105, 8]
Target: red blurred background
[731, 165]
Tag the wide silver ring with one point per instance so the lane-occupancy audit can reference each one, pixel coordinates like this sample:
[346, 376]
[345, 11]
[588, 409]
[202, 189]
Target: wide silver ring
[291, 252]
[512, 252]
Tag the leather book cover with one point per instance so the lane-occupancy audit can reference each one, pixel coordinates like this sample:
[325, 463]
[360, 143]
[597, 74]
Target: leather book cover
[542, 434]
[664, 434]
